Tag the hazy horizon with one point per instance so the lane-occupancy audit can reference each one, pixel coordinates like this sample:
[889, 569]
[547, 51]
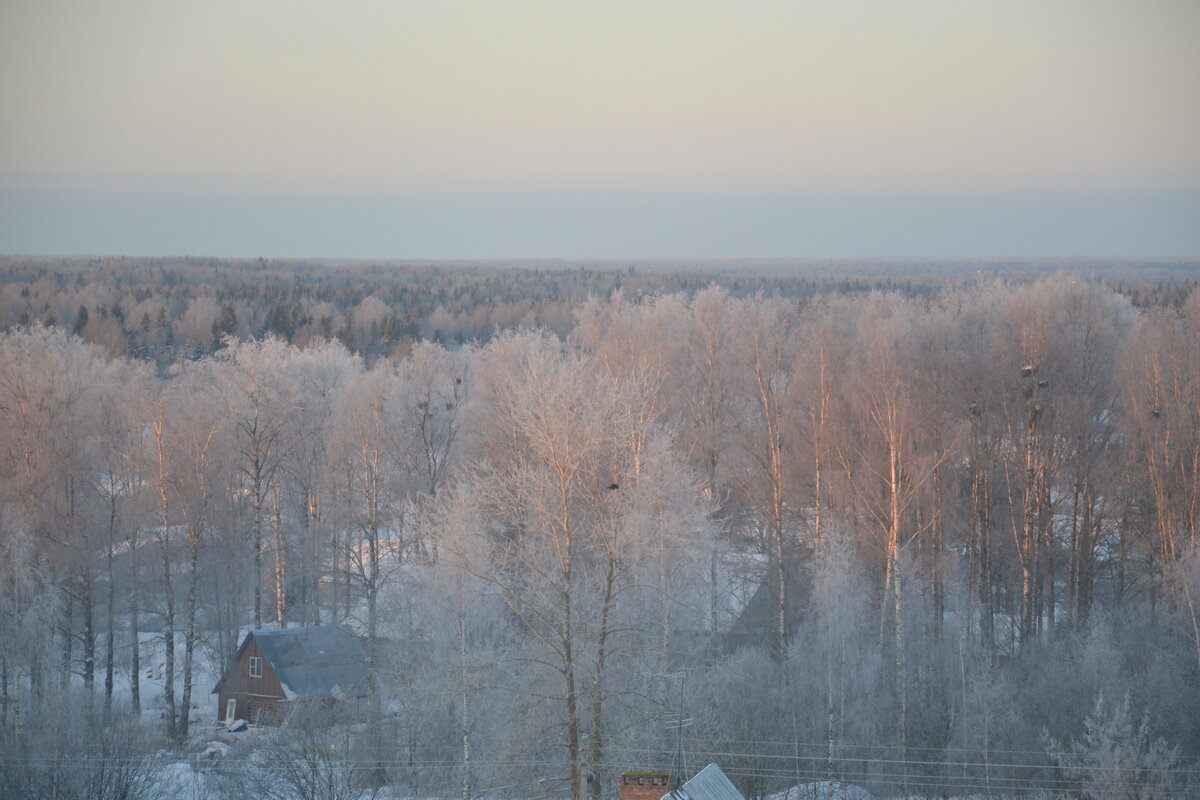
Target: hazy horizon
[602, 225]
[778, 129]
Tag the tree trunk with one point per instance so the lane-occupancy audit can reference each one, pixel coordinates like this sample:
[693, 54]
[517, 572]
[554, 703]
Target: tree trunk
[257, 499]
[110, 616]
[168, 623]
[568, 667]
[597, 741]
[1028, 545]
[465, 728]
[982, 521]
[372, 597]
[135, 661]
[189, 641]
[901, 676]
[829, 706]
[169, 644]
[309, 579]
[901, 666]
[280, 565]
[87, 601]
[1075, 564]
[68, 642]
[135, 625]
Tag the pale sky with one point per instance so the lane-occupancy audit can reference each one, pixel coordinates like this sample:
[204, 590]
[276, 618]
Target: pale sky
[391, 98]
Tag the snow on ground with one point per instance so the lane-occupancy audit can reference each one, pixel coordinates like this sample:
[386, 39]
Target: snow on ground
[153, 666]
[836, 790]
[823, 790]
[181, 781]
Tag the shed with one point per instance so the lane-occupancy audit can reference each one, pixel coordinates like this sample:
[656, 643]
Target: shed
[709, 783]
[273, 667]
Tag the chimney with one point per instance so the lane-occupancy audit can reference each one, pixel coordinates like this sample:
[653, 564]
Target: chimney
[644, 785]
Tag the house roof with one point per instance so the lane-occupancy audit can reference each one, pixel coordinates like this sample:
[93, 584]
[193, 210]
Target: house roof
[709, 783]
[313, 660]
[759, 621]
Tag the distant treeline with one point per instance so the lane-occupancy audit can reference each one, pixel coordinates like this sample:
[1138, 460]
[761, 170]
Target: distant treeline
[164, 309]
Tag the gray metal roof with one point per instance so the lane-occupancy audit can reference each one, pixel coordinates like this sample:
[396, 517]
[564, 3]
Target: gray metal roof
[314, 660]
[709, 783]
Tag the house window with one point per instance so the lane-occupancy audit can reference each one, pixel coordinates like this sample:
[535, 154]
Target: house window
[255, 667]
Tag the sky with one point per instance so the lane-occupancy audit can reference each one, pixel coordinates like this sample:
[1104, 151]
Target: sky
[532, 128]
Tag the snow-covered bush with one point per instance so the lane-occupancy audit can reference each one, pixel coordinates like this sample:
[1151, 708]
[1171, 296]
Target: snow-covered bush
[1116, 760]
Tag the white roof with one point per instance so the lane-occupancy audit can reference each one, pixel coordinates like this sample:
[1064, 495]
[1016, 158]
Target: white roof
[709, 783]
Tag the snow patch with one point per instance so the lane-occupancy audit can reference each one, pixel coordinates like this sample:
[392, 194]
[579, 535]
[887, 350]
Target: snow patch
[823, 790]
[216, 750]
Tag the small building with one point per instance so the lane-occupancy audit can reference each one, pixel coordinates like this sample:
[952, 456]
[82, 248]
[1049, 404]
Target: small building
[644, 785]
[709, 783]
[274, 667]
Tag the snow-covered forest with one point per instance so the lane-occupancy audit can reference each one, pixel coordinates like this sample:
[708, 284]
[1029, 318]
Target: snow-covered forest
[937, 542]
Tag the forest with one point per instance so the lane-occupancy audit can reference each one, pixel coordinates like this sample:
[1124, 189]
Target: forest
[165, 309]
[932, 535]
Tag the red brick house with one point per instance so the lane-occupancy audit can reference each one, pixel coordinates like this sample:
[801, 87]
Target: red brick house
[645, 785]
[272, 668]
[709, 783]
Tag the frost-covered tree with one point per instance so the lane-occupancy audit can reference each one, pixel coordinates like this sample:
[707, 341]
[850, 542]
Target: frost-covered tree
[1116, 759]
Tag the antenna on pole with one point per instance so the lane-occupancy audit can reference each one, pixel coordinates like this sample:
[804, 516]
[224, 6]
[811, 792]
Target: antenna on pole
[678, 722]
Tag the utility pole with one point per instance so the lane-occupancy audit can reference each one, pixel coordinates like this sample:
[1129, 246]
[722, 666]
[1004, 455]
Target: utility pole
[678, 722]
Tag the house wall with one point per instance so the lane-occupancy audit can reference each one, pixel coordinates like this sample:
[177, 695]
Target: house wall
[644, 785]
[258, 699]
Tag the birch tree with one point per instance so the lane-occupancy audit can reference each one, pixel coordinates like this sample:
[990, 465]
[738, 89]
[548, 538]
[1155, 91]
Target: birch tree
[767, 435]
[537, 487]
[262, 412]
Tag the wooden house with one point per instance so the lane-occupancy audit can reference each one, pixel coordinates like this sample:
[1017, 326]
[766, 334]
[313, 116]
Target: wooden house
[275, 667]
